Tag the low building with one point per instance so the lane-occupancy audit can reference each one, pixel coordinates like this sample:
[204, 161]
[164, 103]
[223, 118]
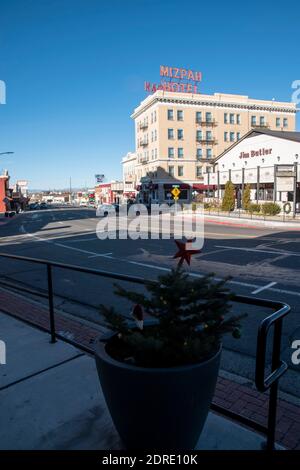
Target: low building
[117, 190]
[103, 193]
[11, 199]
[5, 194]
[268, 160]
[129, 176]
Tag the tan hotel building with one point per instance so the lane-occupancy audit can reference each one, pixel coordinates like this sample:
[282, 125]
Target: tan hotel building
[178, 135]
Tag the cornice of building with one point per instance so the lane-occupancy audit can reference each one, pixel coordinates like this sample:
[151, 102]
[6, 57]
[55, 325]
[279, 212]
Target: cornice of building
[218, 100]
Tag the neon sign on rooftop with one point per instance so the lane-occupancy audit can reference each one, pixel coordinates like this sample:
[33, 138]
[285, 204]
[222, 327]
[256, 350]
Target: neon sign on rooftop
[175, 79]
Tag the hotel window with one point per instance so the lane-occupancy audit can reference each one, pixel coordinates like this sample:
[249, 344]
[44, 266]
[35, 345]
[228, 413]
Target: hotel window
[152, 154]
[180, 152]
[170, 133]
[198, 116]
[208, 153]
[180, 171]
[262, 121]
[154, 116]
[225, 118]
[199, 135]
[171, 152]
[170, 114]
[285, 122]
[179, 115]
[180, 134]
[253, 120]
[155, 134]
[155, 153]
[231, 118]
[238, 119]
[238, 136]
[225, 136]
[198, 171]
[278, 122]
[231, 136]
[199, 154]
[208, 135]
[208, 117]
[152, 136]
[151, 118]
[171, 170]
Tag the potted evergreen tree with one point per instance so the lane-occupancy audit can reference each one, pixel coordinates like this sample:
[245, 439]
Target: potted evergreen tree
[159, 375]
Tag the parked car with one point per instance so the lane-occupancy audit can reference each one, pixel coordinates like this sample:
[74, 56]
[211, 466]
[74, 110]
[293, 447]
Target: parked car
[33, 206]
[103, 210]
[43, 205]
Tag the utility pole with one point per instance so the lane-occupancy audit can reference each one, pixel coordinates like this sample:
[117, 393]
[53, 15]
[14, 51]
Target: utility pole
[70, 199]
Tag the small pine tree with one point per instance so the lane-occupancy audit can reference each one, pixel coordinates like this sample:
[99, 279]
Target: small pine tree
[189, 318]
[246, 201]
[228, 202]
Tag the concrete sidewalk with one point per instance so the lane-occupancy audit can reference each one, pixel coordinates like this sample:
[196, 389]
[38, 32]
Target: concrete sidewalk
[51, 399]
[241, 220]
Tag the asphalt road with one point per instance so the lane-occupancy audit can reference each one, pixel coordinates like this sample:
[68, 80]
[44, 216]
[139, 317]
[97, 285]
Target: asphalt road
[262, 262]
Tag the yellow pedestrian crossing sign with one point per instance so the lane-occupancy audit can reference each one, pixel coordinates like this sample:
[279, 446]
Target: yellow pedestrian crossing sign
[175, 192]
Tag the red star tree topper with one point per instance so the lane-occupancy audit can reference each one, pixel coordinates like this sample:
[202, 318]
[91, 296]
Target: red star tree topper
[184, 252]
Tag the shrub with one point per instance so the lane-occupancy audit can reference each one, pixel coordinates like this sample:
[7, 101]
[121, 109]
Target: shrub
[270, 208]
[228, 202]
[207, 205]
[253, 207]
[246, 199]
[189, 318]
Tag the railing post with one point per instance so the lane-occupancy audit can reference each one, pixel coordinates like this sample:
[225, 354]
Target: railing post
[274, 387]
[51, 307]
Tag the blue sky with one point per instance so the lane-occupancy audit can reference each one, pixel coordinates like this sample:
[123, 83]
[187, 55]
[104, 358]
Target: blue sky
[75, 69]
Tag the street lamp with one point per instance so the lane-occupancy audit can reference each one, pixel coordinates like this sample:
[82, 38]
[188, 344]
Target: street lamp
[6, 153]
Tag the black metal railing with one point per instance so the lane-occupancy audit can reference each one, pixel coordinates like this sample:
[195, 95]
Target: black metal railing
[278, 367]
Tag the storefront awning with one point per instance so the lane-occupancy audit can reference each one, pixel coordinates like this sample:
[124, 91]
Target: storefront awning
[203, 187]
[180, 186]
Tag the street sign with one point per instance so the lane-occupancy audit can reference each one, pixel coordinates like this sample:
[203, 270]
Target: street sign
[175, 191]
[99, 178]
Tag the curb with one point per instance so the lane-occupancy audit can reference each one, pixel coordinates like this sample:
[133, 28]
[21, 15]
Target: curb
[247, 223]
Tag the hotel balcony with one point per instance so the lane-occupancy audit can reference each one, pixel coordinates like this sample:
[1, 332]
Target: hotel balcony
[143, 125]
[206, 122]
[144, 160]
[265, 125]
[205, 159]
[204, 140]
[144, 143]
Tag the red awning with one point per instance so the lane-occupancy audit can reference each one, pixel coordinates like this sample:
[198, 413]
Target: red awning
[203, 187]
[180, 186]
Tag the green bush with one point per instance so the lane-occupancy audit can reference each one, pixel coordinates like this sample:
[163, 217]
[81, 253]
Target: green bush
[207, 205]
[194, 206]
[270, 208]
[253, 207]
[228, 202]
[246, 198]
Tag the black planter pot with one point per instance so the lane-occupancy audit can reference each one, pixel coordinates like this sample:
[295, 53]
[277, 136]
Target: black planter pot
[156, 408]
